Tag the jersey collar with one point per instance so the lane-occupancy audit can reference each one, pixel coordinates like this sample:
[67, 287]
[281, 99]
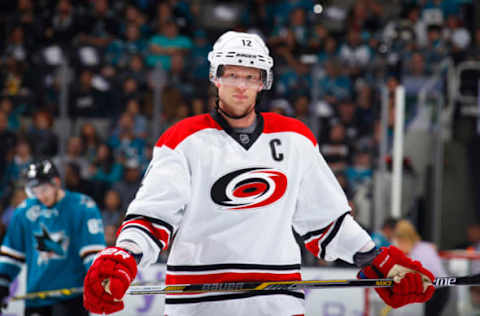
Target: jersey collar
[240, 137]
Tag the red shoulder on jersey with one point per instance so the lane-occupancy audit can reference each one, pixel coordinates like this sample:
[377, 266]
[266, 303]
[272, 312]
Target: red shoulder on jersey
[181, 130]
[276, 123]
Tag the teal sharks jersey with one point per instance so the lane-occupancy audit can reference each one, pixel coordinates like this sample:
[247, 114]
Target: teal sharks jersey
[57, 244]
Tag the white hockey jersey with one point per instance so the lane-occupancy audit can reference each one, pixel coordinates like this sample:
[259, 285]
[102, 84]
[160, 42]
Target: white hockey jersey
[226, 204]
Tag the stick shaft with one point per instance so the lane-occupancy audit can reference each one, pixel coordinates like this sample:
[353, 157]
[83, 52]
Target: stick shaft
[290, 285]
[254, 286]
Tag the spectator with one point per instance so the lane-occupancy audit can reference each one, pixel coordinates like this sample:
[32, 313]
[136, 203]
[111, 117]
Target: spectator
[365, 112]
[119, 51]
[105, 170]
[408, 240]
[330, 50]
[110, 235]
[18, 197]
[125, 143]
[416, 74]
[361, 171]
[135, 69]
[171, 98]
[260, 15]
[73, 154]
[457, 38]
[134, 16]
[13, 113]
[198, 56]
[334, 86]
[42, 136]
[30, 22]
[165, 44]
[112, 213]
[74, 180]
[128, 186]
[86, 100]
[355, 54]
[130, 90]
[22, 158]
[318, 38]
[297, 25]
[434, 12]
[345, 115]
[100, 26]
[436, 48]
[365, 15]
[336, 150]
[179, 77]
[384, 237]
[63, 25]
[16, 46]
[285, 48]
[301, 108]
[139, 120]
[284, 9]
[90, 140]
[16, 80]
[294, 81]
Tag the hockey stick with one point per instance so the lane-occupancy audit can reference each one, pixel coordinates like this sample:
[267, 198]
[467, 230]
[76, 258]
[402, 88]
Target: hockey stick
[253, 286]
[61, 292]
[48, 294]
[289, 285]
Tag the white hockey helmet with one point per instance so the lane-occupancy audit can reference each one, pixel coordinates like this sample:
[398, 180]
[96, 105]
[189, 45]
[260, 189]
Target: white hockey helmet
[241, 49]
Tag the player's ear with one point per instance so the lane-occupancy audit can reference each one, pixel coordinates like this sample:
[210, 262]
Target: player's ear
[216, 82]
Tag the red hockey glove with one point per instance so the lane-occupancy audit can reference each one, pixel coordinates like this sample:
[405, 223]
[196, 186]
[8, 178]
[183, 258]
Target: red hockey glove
[107, 280]
[413, 283]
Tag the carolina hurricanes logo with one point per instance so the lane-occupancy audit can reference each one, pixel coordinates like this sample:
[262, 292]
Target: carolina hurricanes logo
[249, 188]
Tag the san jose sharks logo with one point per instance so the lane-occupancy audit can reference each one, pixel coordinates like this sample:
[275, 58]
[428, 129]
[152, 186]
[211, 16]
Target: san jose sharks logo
[50, 245]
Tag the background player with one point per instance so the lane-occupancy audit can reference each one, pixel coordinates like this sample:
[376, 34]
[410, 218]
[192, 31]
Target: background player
[56, 233]
[230, 186]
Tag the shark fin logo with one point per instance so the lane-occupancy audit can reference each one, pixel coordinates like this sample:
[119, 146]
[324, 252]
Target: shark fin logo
[50, 245]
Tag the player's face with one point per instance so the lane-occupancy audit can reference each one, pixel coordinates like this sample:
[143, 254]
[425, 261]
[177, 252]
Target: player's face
[238, 88]
[46, 193]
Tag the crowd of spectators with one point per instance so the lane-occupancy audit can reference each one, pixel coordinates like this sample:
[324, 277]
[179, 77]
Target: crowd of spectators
[328, 71]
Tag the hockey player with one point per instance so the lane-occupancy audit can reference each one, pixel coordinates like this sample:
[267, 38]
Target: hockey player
[224, 191]
[56, 233]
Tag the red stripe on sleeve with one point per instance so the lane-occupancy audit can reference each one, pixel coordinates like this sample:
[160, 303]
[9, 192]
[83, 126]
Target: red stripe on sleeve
[159, 233]
[313, 245]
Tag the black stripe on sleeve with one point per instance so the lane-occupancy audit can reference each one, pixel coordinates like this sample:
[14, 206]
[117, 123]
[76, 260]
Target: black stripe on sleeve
[150, 219]
[22, 260]
[237, 266]
[315, 233]
[332, 234]
[224, 297]
[148, 233]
